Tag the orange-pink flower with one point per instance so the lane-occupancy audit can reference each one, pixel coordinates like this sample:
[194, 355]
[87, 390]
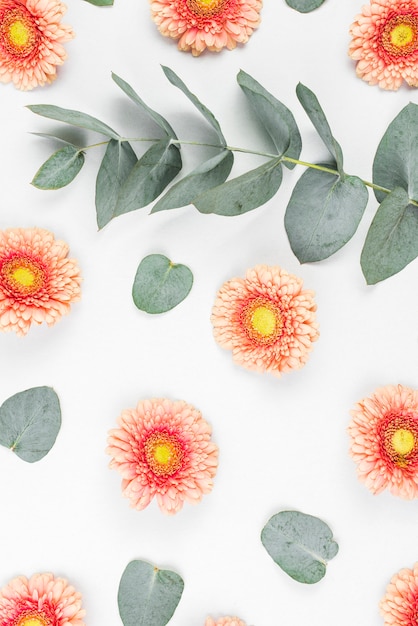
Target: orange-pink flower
[384, 441]
[385, 43]
[31, 38]
[163, 448]
[225, 621]
[38, 282]
[400, 602]
[266, 319]
[41, 600]
[206, 24]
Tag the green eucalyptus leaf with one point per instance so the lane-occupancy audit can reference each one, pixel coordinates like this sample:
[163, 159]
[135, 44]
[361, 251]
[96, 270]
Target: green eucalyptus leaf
[156, 117]
[392, 240]
[275, 117]
[300, 544]
[74, 118]
[304, 6]
[205, 176]
[60, 169]
[313, 109]
[396, 160]
[101, 3]
[117, 164]
[56, 138]
[208, 115]
[323, 213]
[160, 284]
[149, 177]
[244, 193]
[30, 422]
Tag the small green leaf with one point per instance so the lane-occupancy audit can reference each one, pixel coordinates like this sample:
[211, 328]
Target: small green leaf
[56, 138]
[74, 118]
[205, 176]
[323, 213]
[148, 596]
[244, 193]
[275, 117]
[101, 3]
[117, 163]
[300, 544]
[30, 422]
[60, 169]
[392, 240]
[304, 6]
[160, 285]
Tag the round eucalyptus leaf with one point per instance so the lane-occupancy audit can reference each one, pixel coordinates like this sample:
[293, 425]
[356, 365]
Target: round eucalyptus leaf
[160, 284]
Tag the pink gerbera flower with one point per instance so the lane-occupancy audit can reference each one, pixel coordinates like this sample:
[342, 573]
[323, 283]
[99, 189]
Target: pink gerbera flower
[38, 282]
[206, 24]
[31, 38]
[384, 441]
[41, 600]
[385, 43]
[163, 449]
[266, 319]
[400, 603]
[225, 621]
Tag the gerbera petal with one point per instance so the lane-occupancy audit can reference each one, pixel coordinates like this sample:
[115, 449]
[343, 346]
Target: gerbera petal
[399, 604]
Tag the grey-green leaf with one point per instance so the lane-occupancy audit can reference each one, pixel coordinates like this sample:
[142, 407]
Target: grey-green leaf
[205, 176]
[149, 177]
[323, 213]
[313, 109]
[117, 164]
[392, 240]
[74, 118]
[29, 422]
[396, 160]
[304, 6]
[244, 193]
[300, 544]
[101, 3]
[208, 115]
[275, 117]
[160, 284]
[148, 596]
[60, 169]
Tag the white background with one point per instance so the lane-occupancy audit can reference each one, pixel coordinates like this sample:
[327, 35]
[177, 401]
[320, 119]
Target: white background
[283, 442]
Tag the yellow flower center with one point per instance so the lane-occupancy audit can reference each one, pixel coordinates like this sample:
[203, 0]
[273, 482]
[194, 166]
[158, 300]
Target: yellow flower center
[163, 453]
[262, 321]
[22, 276]
[205, 8]
[34, 619]
[400, 439]
[403, 441]
[18, 32]
[400, 35]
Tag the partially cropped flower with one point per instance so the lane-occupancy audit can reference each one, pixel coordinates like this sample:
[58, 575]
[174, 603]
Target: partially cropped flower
[385, 43]
[163, 448]
[206, 24]
[384, 441]
[399, 605]
[41, 600]
[31, 38]
[225, 621]
[266, 319]
[38, 282]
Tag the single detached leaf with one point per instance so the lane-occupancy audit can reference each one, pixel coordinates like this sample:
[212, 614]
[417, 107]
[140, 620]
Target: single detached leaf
[275, 117]
[160, 285]
[300, 544]
[205, 176]
[208, 115]
[101, 3]
[392, 240]
[60, 169]
[313, 109]
[148, 596]
[74, 118]
[30, 422]
[117, 163]
[323, 213]
[396, 160]
[244, 193]
[304, 6]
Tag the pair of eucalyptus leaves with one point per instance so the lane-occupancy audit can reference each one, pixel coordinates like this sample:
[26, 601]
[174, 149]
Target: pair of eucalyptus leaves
[325, 207]
[303, 6]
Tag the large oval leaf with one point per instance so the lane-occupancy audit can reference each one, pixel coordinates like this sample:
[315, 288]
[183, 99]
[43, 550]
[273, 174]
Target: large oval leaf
[30, 422]
[300, 544]
[304, 6]
[60, 169]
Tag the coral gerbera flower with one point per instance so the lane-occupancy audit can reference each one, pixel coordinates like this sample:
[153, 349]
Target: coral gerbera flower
[163, 449]
[225, 621]
[385, 43]
[31, 38]
[384, 441]
[266, 319]
[206, 24]
[41, 600]
[399, 605]
[38, 282]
